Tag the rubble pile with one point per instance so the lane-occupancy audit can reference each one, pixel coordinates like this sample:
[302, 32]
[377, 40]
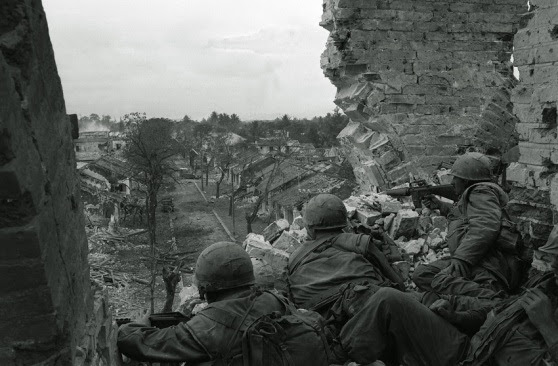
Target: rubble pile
[415, 236]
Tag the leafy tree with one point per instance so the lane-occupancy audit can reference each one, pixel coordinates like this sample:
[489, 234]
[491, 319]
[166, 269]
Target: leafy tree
[149, 149]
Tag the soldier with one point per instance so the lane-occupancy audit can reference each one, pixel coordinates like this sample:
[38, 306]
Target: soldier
[335, 272]
[215, 335]
[481, 263]
[522, 330]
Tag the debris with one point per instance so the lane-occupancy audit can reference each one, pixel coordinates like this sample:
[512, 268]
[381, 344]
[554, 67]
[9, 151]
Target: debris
[287, 242]
[404, 224]
[274, 230]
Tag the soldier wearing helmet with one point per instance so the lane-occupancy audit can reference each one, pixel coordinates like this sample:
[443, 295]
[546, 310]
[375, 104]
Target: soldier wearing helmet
[335, 272]
[479, 265]
[225, 278]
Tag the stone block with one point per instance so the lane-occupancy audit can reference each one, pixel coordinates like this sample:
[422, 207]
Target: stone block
[403, 268]
[388, 221]
[287, 242]
[404, 224]
[276, 258]
[439, 222]
[19, 243]
[254, 239]
[257, 248]
[368, 216]
[263, 273]
[21, 276]
[412, 247]
[298, 223]
[390, 207]
[274, 230]
[444, 176]
[351, 204]
[301, 235]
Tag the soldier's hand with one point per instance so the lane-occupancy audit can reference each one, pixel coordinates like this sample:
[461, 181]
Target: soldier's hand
[537, 306]
[457, 268]
[443, 308]
[431, 201]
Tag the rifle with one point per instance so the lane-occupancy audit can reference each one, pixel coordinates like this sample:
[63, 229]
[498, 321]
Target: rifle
[160, 320]
[420, 189]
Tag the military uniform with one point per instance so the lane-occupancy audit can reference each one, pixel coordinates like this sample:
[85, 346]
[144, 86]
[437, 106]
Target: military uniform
[473, 228]
[320, 269]
[209, 336]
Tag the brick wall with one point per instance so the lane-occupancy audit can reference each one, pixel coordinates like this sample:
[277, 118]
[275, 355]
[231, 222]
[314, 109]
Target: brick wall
[422, 81]
[535, 184]
[45, 297]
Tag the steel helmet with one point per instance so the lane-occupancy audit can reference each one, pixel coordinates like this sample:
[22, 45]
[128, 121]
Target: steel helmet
[472, 166]
[325, 211]
[223, 265]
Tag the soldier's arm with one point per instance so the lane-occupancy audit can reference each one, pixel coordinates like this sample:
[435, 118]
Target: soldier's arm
[172, 344]
[484, 219]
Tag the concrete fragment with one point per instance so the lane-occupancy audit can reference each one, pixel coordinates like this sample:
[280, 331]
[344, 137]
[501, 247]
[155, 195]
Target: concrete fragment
[298, 223]
[431, 256]
[368, 216]
[276, 258]
[287, 242]
[425, 223]
[403, 268]
[439, 222]
[444, 176]
[300, 235]
[391, 207]
[351, 204]
[411, 247]
[263, 273]
[274, 230]
[388, 220]
[253, 238]
[404, 224]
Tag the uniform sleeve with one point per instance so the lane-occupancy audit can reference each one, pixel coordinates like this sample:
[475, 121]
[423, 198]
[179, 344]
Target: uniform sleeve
[484, 219]
[356, 246]
[172, 344]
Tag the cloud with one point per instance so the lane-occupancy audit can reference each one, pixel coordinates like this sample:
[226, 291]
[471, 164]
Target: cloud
[250, 57]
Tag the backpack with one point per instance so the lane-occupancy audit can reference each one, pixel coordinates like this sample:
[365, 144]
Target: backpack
[294, 338]
[509, 238]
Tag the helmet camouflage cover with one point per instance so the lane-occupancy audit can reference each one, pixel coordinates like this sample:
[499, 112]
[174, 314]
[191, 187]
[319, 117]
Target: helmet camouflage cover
[223, 265]
[325, 211]
[472, 166]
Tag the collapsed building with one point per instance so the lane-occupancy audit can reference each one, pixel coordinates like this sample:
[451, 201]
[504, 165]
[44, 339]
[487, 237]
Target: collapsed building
[422, 82]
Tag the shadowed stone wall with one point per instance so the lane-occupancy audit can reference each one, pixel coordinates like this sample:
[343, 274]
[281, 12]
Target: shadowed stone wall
[422, 81]
[534, 179]
[46, 303]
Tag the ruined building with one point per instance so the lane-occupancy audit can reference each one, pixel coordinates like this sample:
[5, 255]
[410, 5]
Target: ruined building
[424, 81]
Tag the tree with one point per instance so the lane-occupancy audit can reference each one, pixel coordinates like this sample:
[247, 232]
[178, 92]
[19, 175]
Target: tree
[223, 155]
[149, 149]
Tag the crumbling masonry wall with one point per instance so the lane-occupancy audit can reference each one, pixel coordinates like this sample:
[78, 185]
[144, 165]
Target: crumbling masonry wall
[46, 303]
[421, 81]
[534, 179]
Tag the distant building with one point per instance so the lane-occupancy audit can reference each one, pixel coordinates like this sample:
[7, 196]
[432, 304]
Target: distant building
[90, 146]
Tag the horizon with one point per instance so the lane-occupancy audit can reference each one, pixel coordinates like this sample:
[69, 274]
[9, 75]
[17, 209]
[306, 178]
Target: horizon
[259, 61]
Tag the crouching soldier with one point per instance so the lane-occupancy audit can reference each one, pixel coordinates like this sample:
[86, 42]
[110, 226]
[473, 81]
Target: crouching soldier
[335, 272]
[522, 330]
[240, 325]
[480, 237]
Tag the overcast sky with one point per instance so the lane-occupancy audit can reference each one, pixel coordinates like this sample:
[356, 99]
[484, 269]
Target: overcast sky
[168, 58]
